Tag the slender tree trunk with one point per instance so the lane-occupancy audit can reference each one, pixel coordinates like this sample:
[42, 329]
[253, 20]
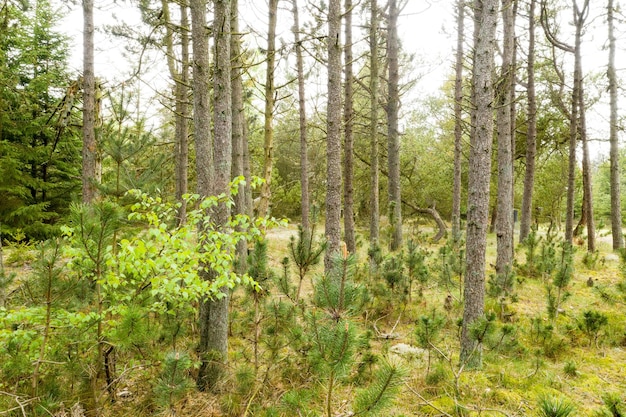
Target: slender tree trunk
[91, 153]
[181, 107]
[485, 18]
[531, 134]
[348, 117]
[333, 139]
[616, 213]
[304, 154]
[579, 127]
[204, 154]
[268, 131]
[505, 96]
[237, 128]
[393, 149]
[587, 180]
[458, 121]
[373, 85]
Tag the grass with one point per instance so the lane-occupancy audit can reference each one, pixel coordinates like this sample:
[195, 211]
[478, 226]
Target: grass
[521, 375]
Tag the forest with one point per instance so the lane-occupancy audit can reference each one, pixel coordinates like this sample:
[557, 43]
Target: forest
[284, 215]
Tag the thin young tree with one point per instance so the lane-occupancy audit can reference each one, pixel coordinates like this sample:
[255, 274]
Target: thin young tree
[616, 215]
[580, 17]
[180, 75]
[238, 130]
[531, 132]
[485, 21]
[304, 153]
[348, 151]
[91, 154]
[458, 120]
[333, 135]
[393, 141]
[268, 130]
[373, 128]
[504, 98]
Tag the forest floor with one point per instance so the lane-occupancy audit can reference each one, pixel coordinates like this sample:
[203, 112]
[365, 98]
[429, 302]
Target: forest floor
[527, 357]
[542, 358]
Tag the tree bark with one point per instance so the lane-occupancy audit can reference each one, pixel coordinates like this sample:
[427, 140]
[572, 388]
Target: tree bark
[587, 180]
[333, 138]
[304, 152]
[204, 166]
[531, 133]
[393, 149]
[268, 130]
[485, 18]
[458, 122]
[580, 16]
[373, 129]
[348, 117]
[616, 214]
[237, 129]
[91, 154]
[505, 96]
[180, 76]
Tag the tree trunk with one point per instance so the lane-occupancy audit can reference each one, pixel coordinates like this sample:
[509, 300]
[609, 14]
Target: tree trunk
[588, 191]
[304, 153]
[373, 86]
[505, 96]
[580, 15]
[268, 130]
[348, 117]
[531, 133]
[237, 129]
[458, 122]
[485, 18]
[616, 214]
[333, 137]
[180, 76]
[91, 154]
[204, 158]
[393, 149]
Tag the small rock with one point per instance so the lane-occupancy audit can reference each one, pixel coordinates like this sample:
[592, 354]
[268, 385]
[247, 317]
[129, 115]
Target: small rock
[408, 351]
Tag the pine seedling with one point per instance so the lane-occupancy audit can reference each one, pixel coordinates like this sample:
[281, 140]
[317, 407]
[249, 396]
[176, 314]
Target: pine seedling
[417, 269]
[590, 259]
[306, 252]
[174, 381]
[556, 291]
[260, 271]
[452, 266]
[531, 243]
[427, 332]
[613, 406]
[332, 332]
[393, 273]
[591, 324]
[554, 407]
[375, 256]
[371, 401]
[500, 286]
[548, 260]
